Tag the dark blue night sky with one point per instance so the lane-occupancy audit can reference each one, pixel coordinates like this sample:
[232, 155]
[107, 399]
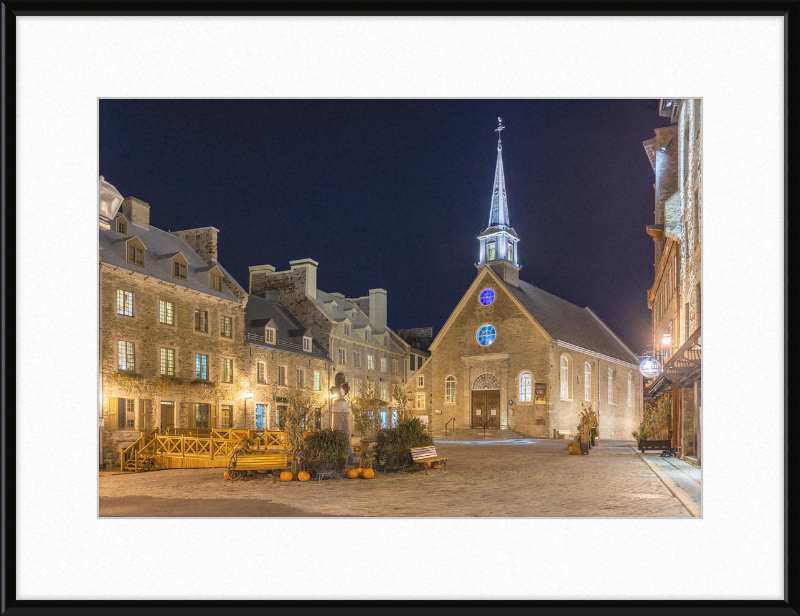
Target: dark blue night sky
[393, 193]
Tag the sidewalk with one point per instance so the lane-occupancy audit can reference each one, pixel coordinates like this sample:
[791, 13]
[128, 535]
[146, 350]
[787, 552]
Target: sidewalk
[684, 480]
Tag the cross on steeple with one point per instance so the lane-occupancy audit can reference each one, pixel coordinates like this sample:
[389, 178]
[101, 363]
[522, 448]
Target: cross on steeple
[499, 130]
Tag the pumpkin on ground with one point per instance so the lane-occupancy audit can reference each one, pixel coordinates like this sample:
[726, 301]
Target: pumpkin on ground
[303, 476]
[286, 476]
[367, 473]
[359, 470]
[352, 474]
[436, 465]
[227, 476]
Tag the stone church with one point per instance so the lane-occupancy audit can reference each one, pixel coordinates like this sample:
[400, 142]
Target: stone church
[513, 356]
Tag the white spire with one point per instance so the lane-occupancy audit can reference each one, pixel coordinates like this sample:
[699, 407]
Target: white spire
[498, 215]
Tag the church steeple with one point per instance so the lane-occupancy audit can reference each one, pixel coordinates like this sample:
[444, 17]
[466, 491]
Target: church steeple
[499, 241]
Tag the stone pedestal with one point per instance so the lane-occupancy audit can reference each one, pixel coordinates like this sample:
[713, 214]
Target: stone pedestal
[342, 420]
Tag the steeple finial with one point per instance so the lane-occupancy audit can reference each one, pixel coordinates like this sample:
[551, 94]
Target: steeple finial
[499, 211]
[499, 130]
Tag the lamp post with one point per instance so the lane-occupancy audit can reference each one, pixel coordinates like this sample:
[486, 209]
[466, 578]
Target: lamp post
[247, 396]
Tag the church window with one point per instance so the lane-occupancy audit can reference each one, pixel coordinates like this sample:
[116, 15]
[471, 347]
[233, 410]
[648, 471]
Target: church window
[450, 389]
[630, 390]
[511, 252]
[487, 297]
[610, 386]
[587, 385]
[492, 250]
[525, 387]
[565, 381]
[486, 335]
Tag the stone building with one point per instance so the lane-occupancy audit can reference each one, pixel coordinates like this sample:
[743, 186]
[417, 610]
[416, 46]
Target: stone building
[353, 331]
[172, 342]
[674, 298]
[514, 356]
[418, 341]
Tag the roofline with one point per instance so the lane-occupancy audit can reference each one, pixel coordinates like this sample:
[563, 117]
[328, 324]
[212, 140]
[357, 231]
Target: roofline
[608, 329]
[575, 347]
[195, 229]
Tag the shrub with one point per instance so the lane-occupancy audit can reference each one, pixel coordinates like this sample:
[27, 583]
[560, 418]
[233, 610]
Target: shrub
[326, 446]
[399, 441]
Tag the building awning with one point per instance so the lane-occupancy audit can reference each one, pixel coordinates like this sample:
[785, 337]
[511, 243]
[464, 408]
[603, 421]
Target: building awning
[682, 368]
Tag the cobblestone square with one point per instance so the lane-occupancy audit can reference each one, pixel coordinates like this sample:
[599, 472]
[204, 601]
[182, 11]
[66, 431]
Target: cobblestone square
[513, 478]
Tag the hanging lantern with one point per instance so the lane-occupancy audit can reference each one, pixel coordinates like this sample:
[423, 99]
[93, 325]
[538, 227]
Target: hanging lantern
[650, 367]
[666, 339]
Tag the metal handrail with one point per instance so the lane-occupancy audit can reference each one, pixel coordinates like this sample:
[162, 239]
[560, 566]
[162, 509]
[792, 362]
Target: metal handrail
[491, 420]
[448, 423]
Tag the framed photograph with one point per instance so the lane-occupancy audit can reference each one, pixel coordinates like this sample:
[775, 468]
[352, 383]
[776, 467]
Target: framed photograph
[248, 254]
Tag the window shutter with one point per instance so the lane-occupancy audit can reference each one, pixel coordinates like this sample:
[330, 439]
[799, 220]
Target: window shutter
[213, 423]
[113, 422]
[142, 414]
[191, 414]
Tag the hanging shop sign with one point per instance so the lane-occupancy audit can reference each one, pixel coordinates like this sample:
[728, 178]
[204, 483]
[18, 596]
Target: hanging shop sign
[650, 367]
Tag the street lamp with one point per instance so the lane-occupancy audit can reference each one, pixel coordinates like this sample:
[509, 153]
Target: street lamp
[666, 339]
[247, 396]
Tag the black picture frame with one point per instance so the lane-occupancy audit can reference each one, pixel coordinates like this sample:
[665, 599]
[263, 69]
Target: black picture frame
[789, 9]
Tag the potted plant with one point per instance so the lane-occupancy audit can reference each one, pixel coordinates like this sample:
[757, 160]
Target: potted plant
[325, 451]
[394, 444]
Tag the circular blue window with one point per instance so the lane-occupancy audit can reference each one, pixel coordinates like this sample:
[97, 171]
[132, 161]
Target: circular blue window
[486, 335]
[487, 297]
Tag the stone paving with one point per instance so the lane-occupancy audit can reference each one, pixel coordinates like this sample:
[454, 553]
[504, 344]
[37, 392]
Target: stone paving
[523, 478]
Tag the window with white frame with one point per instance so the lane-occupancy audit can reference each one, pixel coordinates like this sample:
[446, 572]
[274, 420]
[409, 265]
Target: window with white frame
[166, 312]
[564, 378]
[420, 401]
[216, 282]
[395, 367]
[357, 387]
[122, 226]
[383, 364]
[587, 382]
[610, 386]
[301, 381]
[124, 303]
[525, 387]
[306, 344]
[630, 389]
[167, 362]
[342, 356]
[346, 329]
[420, 381]
[367, 335]
[135, 255]
[201, 366]
[317, 381]
[126, 356]
[179, 270]
[450, 389]
[261, 374]
[269, 335]
[226, 327]
[282, 376]
[370, 362]
[201, 321]
[226, 369]
[356, 359]
[384, 392]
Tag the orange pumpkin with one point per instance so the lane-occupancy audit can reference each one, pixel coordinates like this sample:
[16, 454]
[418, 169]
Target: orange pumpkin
[359, 470]
[436, 465]
[227, 476]
[352, 474]
[303, 476]
[286, 476]
[368, 473]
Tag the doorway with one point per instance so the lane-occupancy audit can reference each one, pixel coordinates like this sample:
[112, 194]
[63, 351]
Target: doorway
[167, 416]
[261, 416]
[486, 408]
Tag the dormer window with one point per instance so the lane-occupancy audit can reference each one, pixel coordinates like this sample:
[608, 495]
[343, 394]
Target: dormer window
[179, 270]
[492, 250]
[346, 329]
[135, 250]
[367, 335]
[269, 335]
[307, 344]
[216, 282]
[122, 226]
[386, 341]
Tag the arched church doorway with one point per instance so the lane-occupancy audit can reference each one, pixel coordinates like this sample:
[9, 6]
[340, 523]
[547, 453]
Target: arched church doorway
[486, 401]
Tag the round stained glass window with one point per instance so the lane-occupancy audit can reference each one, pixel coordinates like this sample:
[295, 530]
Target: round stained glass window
[487, 297]
[486, 335]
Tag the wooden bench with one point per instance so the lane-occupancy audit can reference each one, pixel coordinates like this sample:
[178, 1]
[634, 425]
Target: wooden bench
[654, 445]
[245, 463]
[566, 433]
[425, 455]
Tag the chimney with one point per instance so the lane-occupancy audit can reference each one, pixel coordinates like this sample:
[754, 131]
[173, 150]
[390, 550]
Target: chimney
[137, 210]
[203, 241]
[258, 275]
[377, 307]
[311, 274]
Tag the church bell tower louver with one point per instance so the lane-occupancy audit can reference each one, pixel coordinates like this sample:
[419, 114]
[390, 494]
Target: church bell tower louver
[498, 248]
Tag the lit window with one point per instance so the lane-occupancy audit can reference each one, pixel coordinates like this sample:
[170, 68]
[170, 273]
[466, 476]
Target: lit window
[486, 335]
[395, 367]
[168, 362]
[487, 297]
[420, 401]
[492, 250]
[127, 416]
[525, 387]
[200, 321]
[179, 270]
[564, 378]
[135, 256]
[226, 327]
[301, 381]
[269, 335]
[227, 370]
[282, 376]
[317, 381]
[216, 282]
[166, 312]
[122, 226]
[450, 389]
[342, 356]
[357, 388]
[126, 356]
[383, 364]
[346, 329]
[262, 373]
[384, 394]
[307, 344]
[370, 362]
[225, 416]
[630, 390]
[610, 386]
[202, 415]
[124, 303]
[201, 367]
[420, 381]
[356, 359]
[511, 251]
[587, 378]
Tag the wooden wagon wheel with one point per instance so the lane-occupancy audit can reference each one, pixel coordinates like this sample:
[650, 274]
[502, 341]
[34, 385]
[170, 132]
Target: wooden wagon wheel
[232, 473]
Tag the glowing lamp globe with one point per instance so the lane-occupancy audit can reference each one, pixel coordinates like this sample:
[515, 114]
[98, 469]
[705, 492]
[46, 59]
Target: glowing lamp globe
[666, 339]
[650, 367]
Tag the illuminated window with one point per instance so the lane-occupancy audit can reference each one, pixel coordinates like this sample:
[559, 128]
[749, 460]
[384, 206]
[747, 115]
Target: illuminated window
[225, 416]
[126, 356]
[510, 251]
[630, 390]
[342, 356]
[226, 327]
[168, 362]
[127, 414]
[564, 378]
[262, 373]
[317, 381]
[216, 282]
[269, 335]
[384, 393]
[610, 386]
[202, 415]
[226, 370]
[122, 226]
[487, 297]
[587, 385]
[486, 335]
[525, 387]
[124, 303]
[370, 362]
[383, 364]
[395, 367]
[357, 387]
[491, 247]
[166, 312]
[282, 376]
[201, 367]
[420, 401]
[179, 270]
[200, 321]
[135, 256]
[307, 344]
[301, 381]
[356, 359]
[450, 389]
